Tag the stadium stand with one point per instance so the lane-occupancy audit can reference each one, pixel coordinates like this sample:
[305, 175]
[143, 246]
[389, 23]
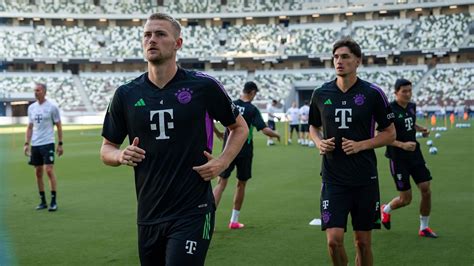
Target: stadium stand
[439, 32]
[379, 36]
[61, 88]
[449, 85]
[312, 39]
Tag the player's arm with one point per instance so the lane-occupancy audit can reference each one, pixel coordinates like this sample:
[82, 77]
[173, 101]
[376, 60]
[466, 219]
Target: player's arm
[424, 131]
[270, 133]
[111, 154]
[28, 134]
[324, 145]
[408, 146]
[385, 137]
[238, 133]
[59, 149]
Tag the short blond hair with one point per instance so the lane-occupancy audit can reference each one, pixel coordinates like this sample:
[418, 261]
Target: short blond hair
[164, 16]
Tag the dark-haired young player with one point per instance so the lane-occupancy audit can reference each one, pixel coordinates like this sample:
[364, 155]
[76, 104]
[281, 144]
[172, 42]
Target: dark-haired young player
[343, 116]
[406, 159]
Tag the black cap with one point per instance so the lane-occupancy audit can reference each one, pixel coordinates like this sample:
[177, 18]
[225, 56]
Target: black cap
[250, 86]
[401, 82]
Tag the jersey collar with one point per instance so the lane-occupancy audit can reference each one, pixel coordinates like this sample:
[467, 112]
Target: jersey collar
[356, 84]
[180, 73]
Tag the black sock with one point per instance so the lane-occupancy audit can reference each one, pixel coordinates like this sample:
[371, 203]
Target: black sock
[53, 197]
[42, 197]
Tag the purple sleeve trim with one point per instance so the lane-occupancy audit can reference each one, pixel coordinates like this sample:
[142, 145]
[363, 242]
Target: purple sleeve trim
[380, 91]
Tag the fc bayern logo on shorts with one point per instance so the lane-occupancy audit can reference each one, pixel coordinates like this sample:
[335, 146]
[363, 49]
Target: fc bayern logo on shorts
[184, 95]
[326, 216]
[359, 99]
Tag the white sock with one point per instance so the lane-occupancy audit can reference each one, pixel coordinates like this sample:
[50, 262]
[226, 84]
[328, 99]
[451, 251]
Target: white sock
[235, 216]
[387, 208]
[424, 220]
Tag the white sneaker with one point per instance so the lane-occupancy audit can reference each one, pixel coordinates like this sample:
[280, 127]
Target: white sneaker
[289, 141]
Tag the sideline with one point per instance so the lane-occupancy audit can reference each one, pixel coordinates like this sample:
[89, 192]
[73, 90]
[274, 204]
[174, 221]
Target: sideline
[22, 128]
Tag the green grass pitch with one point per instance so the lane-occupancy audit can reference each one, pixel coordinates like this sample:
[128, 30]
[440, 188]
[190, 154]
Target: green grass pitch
[95, 223]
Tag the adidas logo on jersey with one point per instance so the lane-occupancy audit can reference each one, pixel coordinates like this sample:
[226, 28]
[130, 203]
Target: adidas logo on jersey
[140, 102]
[328, 101]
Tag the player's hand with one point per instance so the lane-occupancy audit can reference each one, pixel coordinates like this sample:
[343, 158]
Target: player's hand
[424, 132]
[409, 145]
[211, 169]
[27, 150]
[59, 150]
[327, 145]
[132, 154]
[350, 146]
[278, 138]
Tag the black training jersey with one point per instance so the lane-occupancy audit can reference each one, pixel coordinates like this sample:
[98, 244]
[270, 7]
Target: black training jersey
[351, 115]
[405, 120]
[254, 119]
[173, 124]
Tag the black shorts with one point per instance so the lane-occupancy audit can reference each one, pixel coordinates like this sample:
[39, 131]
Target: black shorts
[244, 168]
[402, 169]
[295, 127]
[41, 155]
[304, 128]
[183, 241]
[271, 125]
[362, 202]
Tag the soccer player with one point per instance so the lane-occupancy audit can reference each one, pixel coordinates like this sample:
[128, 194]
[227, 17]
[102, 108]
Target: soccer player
[43, 115]
[304, 116]
[271, 109]
[406, 159]
[343, 113]
[166, 114]
[243, 161]
[293, 116]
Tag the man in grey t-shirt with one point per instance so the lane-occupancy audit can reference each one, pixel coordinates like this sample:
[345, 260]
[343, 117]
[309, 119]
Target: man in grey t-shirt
[42, 116]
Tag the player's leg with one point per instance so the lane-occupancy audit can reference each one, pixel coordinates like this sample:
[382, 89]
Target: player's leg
[48, 158]
[37, 161]
[152, 245]
[301, 135]
[189, 240]
[53, 185]
[363, 244]
[422, 177]
[335, 240]
[219, 189]
[222, 182]
[334, 205]
[244, 173]
[39, 181]
[365, 214]
[292, 128]
[401, 177]
[272, 126]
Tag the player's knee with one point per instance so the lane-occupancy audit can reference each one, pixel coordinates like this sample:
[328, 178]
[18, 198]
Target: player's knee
[406, 200]
[50, 171]
[241, 184]
[39, 172]
[335, 243]
[362, 244]
[425, 189]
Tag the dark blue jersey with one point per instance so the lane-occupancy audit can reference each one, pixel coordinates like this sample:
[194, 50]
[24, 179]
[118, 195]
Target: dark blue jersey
[405, 121]
[254, 119]
[352, 115]
[173, 124]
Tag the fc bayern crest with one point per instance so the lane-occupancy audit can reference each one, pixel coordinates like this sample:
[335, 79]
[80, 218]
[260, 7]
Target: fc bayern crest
[359, 99]
[184, 95]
